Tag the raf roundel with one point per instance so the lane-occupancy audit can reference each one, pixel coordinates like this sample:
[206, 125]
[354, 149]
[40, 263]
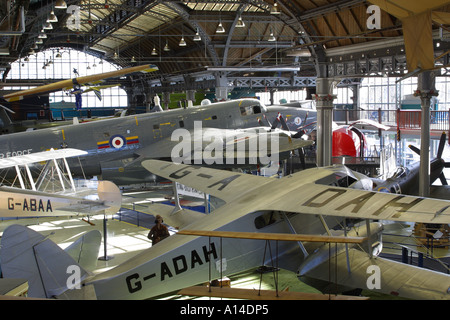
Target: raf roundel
[117, 141]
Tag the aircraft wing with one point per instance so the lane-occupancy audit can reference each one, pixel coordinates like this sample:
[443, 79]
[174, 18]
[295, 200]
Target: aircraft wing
[69, 83]
[36, 157]
[377, 274]
[211, 181]
[212, 145]
[370, 123]
[299, 193]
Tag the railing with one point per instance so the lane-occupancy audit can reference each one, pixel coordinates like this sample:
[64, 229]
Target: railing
[410, 253]
[397, 119]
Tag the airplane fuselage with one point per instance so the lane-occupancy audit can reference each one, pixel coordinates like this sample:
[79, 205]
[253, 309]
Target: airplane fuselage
[113, 144]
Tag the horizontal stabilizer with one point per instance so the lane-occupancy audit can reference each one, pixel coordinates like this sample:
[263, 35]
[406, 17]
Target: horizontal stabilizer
[109, 193]
[49, 270]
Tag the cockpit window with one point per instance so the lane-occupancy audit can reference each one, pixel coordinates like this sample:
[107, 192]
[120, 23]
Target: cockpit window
[249, 110]
[337, 180]
[267, 219]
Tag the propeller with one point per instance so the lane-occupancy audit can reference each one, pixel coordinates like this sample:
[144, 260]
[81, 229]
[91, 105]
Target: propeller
[279, 120]
[438, 164]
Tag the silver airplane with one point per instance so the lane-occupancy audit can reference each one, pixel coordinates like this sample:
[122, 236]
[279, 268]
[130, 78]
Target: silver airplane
[310, 202]
[115, 147]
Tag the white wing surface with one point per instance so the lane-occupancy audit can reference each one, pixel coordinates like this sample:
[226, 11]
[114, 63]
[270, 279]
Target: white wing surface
[226, 185]
[299, 193]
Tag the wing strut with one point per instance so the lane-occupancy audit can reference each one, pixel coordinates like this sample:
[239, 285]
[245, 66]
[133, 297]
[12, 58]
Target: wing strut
[369, 244]
[59, 174]
[177, 199]
[19, 175]
[69, 174]
[300, 244]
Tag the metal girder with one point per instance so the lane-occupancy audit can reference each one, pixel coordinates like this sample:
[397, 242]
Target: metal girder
[186, 17]
[273, 82]
[119, 18]
[382, 62]
[230, 34]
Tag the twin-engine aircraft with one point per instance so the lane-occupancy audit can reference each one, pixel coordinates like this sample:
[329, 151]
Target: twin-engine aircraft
[115, 147]
[309, 202]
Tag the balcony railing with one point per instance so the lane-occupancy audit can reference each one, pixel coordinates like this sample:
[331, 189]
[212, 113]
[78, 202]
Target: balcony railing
[397, 119]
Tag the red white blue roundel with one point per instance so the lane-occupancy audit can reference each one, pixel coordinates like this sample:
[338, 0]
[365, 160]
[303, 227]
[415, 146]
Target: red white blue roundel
[117, 141]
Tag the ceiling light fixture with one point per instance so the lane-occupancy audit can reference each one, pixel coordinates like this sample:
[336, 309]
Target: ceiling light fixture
[220, 28]
[272, 37]
[52, 17]
[48, 26]
[197, 36]
[154, 53]
[274, 9]
[60, 4]
[166, 47]
[42, 35]
[182, 42]
[240, 23]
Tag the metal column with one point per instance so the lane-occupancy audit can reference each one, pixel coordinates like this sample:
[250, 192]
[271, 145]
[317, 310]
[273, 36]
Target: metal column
[324, 104]
[425, 90]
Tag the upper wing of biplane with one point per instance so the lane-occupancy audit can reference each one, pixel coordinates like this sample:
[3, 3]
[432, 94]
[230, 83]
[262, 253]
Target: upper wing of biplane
[69, 83]
[300, 193]
[52, 154]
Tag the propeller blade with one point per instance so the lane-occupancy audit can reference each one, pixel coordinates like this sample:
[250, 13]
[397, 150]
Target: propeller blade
[275, 123]
[306, 117]
[98, 94]
[441, 145]
[283, 123]
[443, 180]
[415, 149]
[268, 122]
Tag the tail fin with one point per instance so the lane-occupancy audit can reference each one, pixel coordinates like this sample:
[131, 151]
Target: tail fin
[85, 250]
[110, 194]
[49, 270]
